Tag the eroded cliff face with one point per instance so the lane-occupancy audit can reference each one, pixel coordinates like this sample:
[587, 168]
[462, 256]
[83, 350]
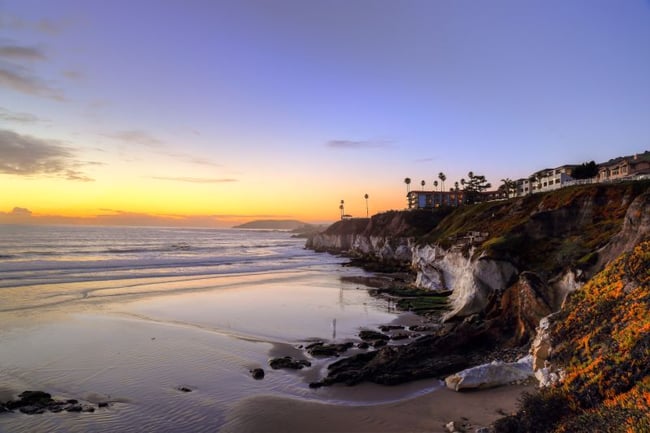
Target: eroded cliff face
[471, 280]
[562, 237]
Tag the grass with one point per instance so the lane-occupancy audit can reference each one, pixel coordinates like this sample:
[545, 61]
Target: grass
[410, 298]
[601, 339]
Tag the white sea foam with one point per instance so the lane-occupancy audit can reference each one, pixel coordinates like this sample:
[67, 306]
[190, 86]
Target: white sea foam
[57, 255]
[131, 314]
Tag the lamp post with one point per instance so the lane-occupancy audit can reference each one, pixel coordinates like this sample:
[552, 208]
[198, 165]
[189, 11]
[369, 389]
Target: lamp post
[366, 197]
[342, 209]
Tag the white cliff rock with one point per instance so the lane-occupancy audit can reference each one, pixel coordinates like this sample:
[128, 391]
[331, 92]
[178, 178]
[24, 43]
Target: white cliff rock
[540, 349]
[470, 280]
[563, 285]
[496, 373]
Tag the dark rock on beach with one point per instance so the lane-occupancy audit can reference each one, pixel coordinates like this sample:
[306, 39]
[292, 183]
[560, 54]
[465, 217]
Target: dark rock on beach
[38, 402]
[322, 349]
[367, 335]
[388, 328]
[400, 336]
[257, 373]
[184, 389]
[289, 362]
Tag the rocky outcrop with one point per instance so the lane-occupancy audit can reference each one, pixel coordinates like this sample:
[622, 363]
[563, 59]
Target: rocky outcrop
[496, 373]
[636, 228]
[289, 363]
[520, 309]
[38, 402]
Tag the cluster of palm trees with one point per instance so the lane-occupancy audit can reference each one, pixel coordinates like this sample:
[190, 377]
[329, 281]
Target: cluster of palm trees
[441, 176]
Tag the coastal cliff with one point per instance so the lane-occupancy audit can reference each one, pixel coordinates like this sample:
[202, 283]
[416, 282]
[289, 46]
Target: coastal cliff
[505, 265]
[477, 252]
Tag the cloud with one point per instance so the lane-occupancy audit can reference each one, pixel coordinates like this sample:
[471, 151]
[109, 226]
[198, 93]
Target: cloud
[17, 212]
[49, 27]
[12, 116]
[420, 160]
[25, 155]
[352, 144]
[136, 136]
[73, 75]
[193, 159]
[196, 179]
[21, 81]
[17, 52]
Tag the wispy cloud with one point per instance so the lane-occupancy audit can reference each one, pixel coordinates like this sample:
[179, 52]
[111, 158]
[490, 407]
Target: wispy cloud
[24, 155]
[354, 144]
[14, 75]
[12, 116]
[21, 81]
[196, 179]
[136, 136]
[49, 27]
[193, 159]
[421, 160]
[73, 75]
[18, 52]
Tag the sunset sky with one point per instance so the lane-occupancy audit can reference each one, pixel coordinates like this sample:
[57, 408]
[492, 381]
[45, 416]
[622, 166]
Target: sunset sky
[212, 112]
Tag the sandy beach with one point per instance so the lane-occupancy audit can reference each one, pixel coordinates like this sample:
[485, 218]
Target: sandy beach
[136, 332]
[427, 413]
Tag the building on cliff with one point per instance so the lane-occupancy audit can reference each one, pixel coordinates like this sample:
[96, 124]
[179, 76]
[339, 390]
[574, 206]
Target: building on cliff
[548, 179]
[434, 199]
[625, 167]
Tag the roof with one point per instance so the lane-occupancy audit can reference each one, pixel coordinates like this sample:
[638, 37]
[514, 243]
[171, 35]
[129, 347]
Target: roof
[645, 156]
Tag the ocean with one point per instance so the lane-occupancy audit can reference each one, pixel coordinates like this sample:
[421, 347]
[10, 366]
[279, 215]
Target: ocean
[131, 315]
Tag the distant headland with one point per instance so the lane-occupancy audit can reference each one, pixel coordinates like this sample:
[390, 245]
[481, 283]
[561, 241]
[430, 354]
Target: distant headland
[272, 225]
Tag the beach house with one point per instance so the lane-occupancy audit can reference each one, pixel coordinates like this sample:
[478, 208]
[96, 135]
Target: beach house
[625, 167]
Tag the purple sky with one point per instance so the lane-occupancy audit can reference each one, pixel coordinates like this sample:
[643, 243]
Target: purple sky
[333, 98]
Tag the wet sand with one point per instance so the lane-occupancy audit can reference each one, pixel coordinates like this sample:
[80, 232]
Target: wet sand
[137, 349]
[427, 413]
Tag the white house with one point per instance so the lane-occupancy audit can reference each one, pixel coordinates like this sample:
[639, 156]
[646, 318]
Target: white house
[545, 180]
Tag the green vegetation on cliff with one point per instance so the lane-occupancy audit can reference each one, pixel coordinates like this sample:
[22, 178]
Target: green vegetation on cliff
[544, 232]
[602, 341]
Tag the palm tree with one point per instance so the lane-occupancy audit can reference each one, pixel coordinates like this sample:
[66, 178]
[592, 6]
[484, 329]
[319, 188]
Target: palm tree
[422, 183]
[442, 178]
[509, 186]
[366, 197]
[435, 184]
[407, 181]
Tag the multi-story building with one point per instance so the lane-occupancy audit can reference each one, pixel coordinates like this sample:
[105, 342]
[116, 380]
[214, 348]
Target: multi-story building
[624, 167]
[433, 199]
[545, 180]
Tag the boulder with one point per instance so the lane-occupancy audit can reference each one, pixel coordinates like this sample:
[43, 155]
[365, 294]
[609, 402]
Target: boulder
[257, 373]
[289, 362]
[496, 373]
[322, 349]
[540, 348]
[367, 335]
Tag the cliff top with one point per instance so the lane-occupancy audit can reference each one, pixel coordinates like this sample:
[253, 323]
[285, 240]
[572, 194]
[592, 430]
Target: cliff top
[543, 232]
